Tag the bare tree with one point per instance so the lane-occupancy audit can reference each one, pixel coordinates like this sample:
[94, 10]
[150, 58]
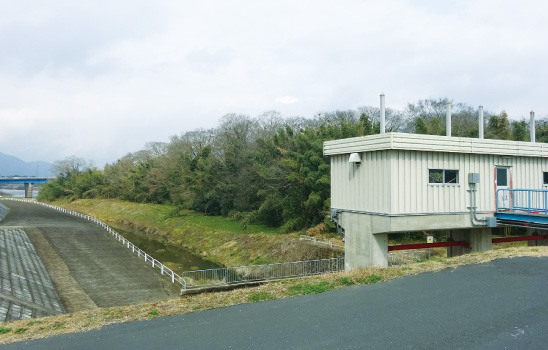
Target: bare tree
[71, 165]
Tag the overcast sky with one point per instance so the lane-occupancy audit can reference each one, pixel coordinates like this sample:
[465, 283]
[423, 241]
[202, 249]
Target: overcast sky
[98, 79]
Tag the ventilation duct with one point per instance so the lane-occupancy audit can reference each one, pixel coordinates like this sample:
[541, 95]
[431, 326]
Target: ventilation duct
[532, 126]
[383, 117]
[448, 119]
[480, 122]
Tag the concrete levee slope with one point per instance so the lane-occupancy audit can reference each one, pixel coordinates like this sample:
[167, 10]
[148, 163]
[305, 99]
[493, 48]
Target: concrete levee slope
[101, 268]
[3, 211]
[26, 289]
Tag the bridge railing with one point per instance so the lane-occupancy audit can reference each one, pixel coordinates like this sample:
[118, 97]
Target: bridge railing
[522, 200]
[23, 179]
[164, 270]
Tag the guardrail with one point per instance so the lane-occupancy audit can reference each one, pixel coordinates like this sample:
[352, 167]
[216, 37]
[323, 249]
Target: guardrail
[524, 200]
[164, 270]
[257, 273]
[319, 241]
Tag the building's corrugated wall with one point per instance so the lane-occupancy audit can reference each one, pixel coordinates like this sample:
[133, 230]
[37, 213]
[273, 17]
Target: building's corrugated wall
[396, 181]
[364, 187]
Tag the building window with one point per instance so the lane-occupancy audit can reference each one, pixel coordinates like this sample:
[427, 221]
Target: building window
[443, 176]
[545, 177]
[502, 176]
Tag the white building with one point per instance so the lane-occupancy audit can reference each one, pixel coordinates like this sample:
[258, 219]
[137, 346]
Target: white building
[395, 182]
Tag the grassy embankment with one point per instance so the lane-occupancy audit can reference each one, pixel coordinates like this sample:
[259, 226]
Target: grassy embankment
[94, 319]
[221, 240]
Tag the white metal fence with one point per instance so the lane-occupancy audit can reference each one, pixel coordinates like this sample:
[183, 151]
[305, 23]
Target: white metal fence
[164, 270]
[319, 241]
[245, 274]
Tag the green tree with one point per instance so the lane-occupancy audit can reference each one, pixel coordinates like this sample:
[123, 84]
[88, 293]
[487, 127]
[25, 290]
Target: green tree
[519, 130]
[498, 127]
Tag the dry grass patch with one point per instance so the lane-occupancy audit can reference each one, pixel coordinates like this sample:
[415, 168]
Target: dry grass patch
[95, 319]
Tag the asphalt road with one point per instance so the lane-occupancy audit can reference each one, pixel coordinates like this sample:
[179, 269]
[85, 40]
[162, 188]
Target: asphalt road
[498, 305]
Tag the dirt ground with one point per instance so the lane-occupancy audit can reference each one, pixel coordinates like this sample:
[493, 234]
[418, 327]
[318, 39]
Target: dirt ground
[88, 267]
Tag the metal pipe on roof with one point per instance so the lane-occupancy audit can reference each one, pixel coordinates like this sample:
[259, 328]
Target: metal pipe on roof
[383, 120]
[480, 122]
[448, 119]
[532, 126]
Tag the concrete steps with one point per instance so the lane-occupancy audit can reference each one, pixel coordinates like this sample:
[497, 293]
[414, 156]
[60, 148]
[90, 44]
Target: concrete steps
[25, 287]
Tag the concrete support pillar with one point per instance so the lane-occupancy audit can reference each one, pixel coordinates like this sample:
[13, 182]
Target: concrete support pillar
[536, 232]
[458, 235]
[479, 239]
[28, 190]
[362, 247]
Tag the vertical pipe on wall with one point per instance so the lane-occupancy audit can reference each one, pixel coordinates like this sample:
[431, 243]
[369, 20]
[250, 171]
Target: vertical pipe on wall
[383, 121]
[448, 119]
[532, 126]
[480, 121]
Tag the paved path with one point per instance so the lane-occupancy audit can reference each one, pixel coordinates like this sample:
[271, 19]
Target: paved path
[88, 266]
[498, 305]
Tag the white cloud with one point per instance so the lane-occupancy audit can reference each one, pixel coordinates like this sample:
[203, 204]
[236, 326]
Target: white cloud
[287, 100]
[100, 79]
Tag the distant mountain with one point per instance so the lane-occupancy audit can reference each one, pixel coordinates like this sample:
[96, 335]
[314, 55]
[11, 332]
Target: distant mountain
[13, 166]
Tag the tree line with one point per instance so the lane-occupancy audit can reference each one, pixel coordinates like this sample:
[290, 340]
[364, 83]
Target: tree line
[266, 169]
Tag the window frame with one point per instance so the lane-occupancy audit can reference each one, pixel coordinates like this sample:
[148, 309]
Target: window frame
[444, 179]
[544, 178]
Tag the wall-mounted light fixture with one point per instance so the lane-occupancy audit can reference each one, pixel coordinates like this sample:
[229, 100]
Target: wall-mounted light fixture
[355, 158]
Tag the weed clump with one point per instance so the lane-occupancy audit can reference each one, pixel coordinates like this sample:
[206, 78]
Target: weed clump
[346, 281]
[370, 280]
[153, 313]
[58, 325]
[260, 296]
[303, 288]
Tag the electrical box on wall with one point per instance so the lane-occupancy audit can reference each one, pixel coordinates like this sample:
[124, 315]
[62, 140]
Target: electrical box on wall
[473, 178]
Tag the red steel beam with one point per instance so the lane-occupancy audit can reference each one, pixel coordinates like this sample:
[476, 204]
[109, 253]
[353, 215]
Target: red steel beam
[428, 245]
[520, 238]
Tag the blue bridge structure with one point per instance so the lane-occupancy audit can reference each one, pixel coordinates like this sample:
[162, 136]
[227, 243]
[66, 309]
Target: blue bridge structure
[28, 181]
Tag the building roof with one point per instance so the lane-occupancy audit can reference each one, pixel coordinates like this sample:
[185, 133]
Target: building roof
[434, 143]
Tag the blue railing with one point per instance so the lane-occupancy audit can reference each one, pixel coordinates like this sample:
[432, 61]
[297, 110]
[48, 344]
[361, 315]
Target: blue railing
[523, 201]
